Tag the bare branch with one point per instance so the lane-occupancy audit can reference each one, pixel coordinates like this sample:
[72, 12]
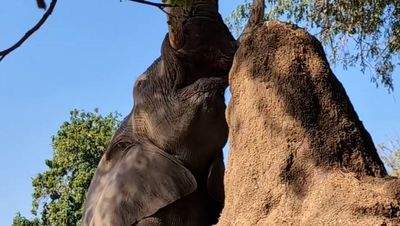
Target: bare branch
[256, 18]
[257, 12]
[161, 6]
[5, 52]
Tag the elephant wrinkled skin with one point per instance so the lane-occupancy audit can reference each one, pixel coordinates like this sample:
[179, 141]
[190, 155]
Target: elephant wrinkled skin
[164, 164]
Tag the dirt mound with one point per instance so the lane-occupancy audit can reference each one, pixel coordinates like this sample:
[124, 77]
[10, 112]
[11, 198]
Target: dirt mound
[299, 155]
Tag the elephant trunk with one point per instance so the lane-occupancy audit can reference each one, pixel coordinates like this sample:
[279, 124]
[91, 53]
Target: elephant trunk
[177, 16]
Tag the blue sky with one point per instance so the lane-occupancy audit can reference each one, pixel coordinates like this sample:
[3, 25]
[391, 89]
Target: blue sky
[87, 56]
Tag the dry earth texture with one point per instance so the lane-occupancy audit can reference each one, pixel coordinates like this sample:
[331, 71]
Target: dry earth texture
[299, 155]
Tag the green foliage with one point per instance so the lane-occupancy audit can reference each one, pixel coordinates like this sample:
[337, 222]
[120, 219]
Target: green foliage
[238, 18]
[390, 154]
[59, 192]
[358, 32]
[19, 220]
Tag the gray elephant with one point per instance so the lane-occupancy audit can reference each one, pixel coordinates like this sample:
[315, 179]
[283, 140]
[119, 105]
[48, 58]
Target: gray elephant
[164, 164]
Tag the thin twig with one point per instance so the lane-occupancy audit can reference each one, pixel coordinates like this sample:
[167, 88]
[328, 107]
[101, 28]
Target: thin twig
[161, 6]
[5, 52]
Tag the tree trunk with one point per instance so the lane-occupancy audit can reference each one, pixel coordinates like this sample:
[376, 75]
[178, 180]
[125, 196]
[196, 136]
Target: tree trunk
[299, 155]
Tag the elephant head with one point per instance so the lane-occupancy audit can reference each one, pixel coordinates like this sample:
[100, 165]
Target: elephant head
[170, 145]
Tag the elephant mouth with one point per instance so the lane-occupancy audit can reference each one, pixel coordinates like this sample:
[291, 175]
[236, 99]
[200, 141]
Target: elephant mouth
[204, 9]
[211, 86]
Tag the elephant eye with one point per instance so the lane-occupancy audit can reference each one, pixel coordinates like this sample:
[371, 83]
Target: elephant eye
[139, 84]
[140, 81]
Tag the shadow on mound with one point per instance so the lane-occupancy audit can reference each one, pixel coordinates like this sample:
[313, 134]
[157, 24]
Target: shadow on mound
[299, 155]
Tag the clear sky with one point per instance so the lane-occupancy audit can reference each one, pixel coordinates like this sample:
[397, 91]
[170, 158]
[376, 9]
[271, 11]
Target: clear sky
[87, 56]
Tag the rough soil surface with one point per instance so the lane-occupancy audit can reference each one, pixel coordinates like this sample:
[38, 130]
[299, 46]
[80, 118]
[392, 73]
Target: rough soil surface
[299, 155]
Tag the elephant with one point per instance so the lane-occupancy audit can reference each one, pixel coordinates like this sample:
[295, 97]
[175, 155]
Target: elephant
[164, 164]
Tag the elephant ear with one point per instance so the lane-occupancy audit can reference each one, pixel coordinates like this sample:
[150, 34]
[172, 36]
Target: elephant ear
[141, 181]
[215, 182]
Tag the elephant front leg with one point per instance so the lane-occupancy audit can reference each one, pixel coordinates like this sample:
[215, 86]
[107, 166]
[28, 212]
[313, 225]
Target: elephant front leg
[150, 221]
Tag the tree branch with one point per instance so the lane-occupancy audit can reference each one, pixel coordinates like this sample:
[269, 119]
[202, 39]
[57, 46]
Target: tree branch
[158, 5]
[256, 18]
[5, 52]
[257, 12]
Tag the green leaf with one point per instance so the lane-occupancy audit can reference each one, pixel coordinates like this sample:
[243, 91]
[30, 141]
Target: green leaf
[59, 192]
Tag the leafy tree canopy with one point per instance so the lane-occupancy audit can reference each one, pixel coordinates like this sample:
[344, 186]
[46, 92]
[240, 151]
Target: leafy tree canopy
[19, 220]
[59, 192]
[358, 32]
[390, 153]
